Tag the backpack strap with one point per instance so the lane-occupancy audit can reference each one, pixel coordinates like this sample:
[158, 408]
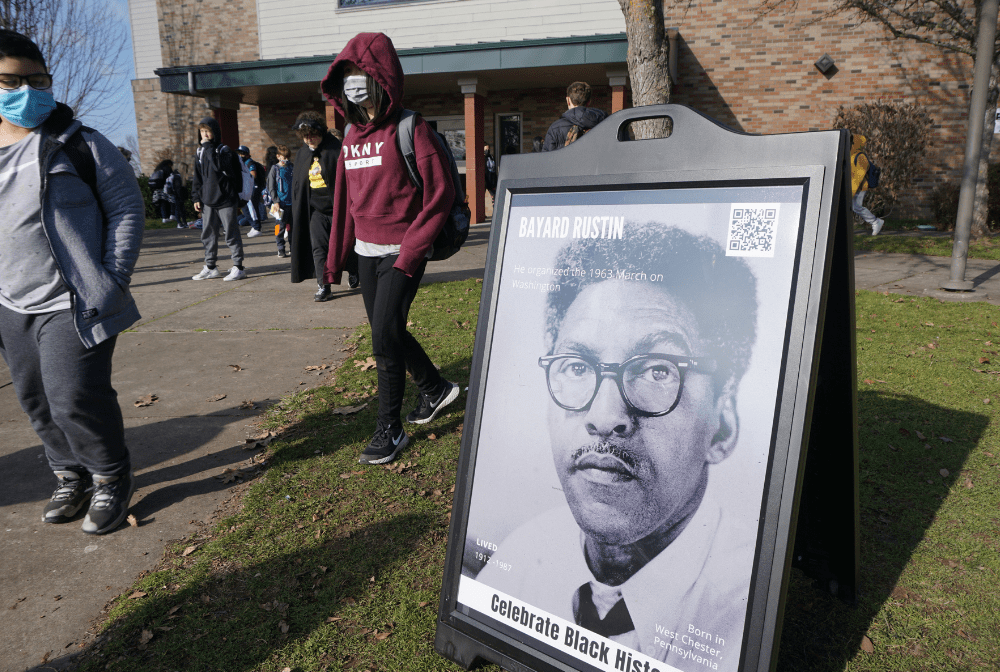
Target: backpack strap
[80, 155]
[404, 136]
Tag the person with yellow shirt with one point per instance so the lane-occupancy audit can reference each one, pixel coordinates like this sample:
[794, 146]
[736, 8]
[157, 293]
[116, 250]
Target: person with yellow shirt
[859, 183]
[313, 177]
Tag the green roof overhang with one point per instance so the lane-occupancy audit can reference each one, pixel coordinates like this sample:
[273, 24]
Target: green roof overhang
[454, 59]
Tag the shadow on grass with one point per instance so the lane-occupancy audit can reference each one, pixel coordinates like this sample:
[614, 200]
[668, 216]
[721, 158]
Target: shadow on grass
[240, 617]
[901, 491]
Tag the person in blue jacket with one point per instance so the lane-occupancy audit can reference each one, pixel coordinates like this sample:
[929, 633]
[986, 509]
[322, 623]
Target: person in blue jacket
[72, 230]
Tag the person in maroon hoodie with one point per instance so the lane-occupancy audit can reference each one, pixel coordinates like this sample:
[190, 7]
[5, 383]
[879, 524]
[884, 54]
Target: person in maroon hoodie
[379, 213]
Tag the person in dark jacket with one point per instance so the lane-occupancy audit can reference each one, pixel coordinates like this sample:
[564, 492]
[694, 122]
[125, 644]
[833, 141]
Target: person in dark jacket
[575, 121]
[71, 241]
[313, 179]
[279, 191]
[216, 197]
[391, 224]
[157, 183]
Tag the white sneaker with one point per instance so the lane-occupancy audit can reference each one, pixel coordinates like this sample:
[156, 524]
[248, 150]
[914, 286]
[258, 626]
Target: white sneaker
[235, 274]
[253, 233]
[207, 274]
[877, 226]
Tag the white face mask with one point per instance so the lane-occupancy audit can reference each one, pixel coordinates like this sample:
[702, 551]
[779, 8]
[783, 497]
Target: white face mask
[356, 88]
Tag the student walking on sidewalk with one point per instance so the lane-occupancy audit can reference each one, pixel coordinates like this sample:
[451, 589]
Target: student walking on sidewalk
[216, 197]
[73, 224]
[379, 213]
[859, 183]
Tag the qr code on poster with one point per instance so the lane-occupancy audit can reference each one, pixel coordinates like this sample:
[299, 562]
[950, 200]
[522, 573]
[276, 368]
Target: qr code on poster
[752, 230]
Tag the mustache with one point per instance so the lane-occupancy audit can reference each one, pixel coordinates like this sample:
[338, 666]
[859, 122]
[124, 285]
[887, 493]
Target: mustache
[606, 448]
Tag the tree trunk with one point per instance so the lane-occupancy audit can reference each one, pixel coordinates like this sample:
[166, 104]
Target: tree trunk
[648, 55]
[980, 212]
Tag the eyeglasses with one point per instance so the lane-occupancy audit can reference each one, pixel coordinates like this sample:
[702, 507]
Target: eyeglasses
[650, 385]
[39, 80]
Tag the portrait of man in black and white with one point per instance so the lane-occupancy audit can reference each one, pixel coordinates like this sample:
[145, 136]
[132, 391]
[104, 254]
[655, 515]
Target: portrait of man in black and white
[642, 369]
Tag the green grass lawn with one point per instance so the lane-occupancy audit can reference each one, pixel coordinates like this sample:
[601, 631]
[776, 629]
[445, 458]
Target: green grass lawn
[322, 564]
[930, 245]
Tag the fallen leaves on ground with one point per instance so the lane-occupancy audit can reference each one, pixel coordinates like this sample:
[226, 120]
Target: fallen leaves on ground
[259, 442]
[247, 405]
[188, 551]
[866, 645]
[348, 410]
[317, 367]
[146, 637]
[236, 367]
[218, 397]
[137, 595]
[147, 400]
[366, 365]
[353, 473]
[132, 521]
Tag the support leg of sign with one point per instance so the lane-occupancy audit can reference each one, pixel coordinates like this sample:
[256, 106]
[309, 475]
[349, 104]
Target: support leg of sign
[827, 544]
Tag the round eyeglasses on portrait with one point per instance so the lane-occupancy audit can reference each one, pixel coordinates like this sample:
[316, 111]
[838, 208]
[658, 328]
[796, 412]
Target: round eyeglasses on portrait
[39, 80]
[650, 384]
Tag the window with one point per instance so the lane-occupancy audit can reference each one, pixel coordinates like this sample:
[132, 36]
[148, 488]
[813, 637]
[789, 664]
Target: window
[453, 129]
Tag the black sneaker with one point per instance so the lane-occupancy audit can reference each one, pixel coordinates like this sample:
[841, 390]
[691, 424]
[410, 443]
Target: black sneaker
[109, 505]
[323, 293]
[353, 281]
[428, 407]
[281, 253]
[73, 492]
[385, 445]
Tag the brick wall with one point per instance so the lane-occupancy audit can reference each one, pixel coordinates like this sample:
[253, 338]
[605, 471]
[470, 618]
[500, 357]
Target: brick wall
[761, 78]
[758, 77]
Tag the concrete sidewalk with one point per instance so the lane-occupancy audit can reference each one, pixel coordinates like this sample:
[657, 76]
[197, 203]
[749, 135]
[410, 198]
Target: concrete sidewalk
[56, 579]
[920, 275]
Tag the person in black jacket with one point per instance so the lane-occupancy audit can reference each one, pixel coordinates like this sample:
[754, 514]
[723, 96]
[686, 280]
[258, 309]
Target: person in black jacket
[157, 182]
[576, 121]
[215, 194]
[313, 178]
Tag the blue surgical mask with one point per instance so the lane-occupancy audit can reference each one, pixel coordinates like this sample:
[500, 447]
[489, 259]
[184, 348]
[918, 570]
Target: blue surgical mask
[26, 107]
[356, 88]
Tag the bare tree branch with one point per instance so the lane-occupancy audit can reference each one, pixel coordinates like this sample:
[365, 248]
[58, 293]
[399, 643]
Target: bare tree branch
[81, 41]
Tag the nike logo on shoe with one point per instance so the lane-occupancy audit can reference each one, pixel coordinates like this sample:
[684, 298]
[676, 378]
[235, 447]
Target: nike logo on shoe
[399, 438]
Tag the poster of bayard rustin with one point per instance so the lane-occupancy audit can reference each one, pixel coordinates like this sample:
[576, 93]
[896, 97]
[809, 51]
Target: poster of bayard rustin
[633, 372]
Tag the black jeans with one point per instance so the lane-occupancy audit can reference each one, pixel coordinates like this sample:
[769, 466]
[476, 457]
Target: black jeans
[388, 294]
[65, 389]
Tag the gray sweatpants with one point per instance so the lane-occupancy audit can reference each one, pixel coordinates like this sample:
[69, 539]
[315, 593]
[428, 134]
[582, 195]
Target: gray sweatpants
[212, 219]
[65, 389]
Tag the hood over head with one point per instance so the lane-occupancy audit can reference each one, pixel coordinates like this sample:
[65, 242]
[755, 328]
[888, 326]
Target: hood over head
[214, 125]
[585, 117]
[857, 142]
[375, 54]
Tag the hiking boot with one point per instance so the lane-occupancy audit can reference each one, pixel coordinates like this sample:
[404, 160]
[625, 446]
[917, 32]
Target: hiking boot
[73, 492]
[353, 280]
[323, 293]
[253, 233]
[109, 505]
[877, 226]
[207, 274]
[235, 273]
[428, 407]
[385, 445]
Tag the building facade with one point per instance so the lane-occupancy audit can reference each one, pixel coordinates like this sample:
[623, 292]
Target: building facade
[495, 73]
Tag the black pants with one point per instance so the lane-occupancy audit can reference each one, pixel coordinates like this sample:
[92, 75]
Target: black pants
[177, 208]
[388, 294]
[65, 389]
[319, 237]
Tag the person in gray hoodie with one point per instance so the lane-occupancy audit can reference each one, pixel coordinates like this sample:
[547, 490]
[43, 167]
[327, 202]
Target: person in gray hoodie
[73, 224]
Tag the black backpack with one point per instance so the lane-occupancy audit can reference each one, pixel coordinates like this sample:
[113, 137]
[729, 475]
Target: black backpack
[456, 229]
[874, 172]
[157, 180]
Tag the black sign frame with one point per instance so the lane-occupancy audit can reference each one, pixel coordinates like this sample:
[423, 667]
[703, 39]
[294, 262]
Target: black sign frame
[818, 370]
